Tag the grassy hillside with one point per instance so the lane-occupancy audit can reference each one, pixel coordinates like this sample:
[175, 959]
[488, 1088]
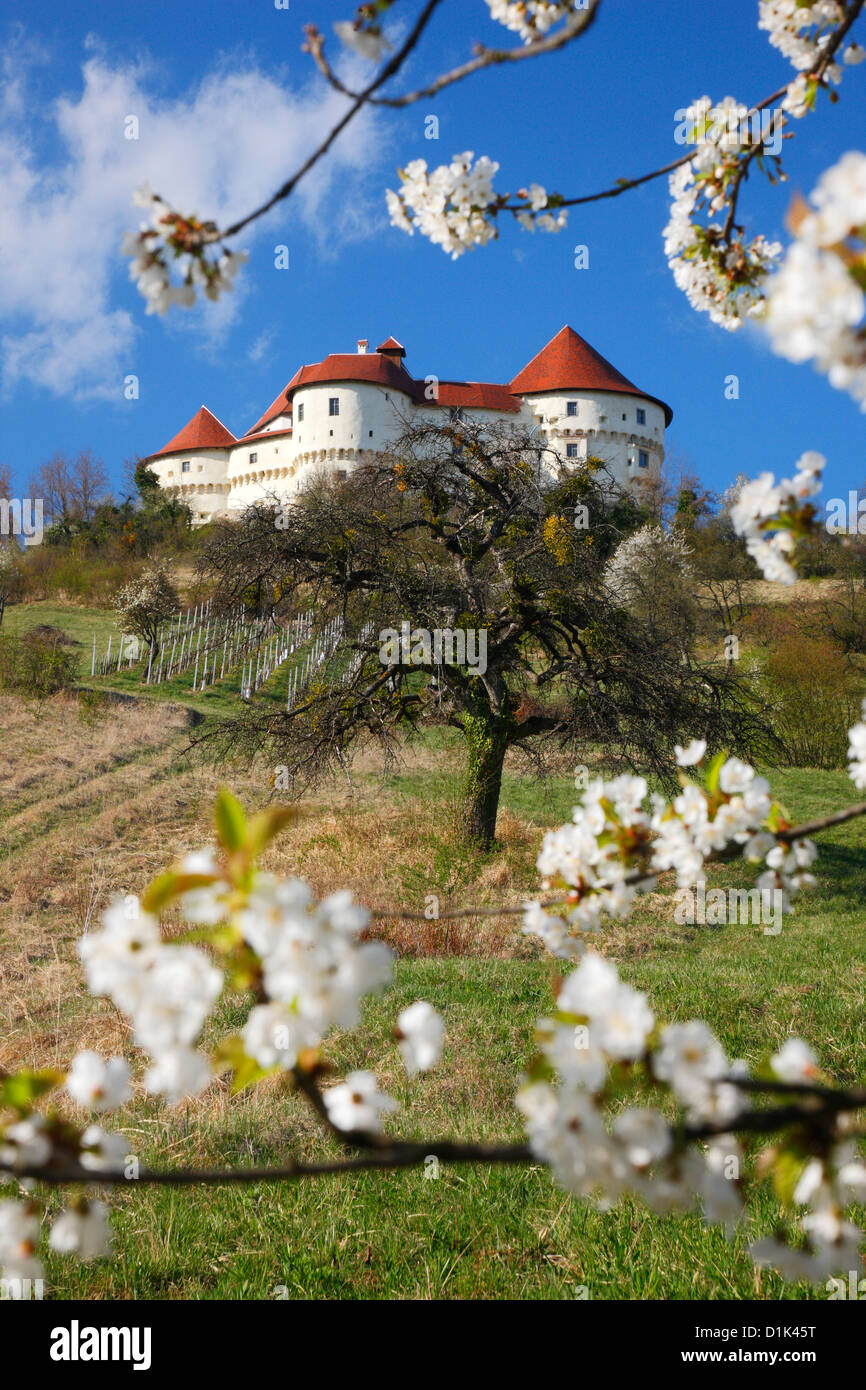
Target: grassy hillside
[98, 803]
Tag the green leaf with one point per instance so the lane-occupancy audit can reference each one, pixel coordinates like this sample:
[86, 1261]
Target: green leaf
[787, 1171]
[230, 1056]
[22, 1088]
[264, 826]
[231, 823]
[713, 771]
[171, 885]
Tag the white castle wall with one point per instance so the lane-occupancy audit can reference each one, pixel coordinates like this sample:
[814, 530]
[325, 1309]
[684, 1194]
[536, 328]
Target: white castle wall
[605, 425]
[204, 487]
[371, 417]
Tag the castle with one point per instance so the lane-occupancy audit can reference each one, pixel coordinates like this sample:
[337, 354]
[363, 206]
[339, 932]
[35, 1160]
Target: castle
[348, 409]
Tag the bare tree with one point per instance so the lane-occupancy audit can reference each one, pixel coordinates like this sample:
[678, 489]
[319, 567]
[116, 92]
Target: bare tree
[70, 488]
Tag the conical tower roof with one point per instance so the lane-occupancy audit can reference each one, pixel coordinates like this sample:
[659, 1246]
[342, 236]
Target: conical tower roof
[203, 431]
[569, 363]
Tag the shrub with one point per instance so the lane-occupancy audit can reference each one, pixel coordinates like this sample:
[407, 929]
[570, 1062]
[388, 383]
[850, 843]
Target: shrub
[812, 694]
[37, 663]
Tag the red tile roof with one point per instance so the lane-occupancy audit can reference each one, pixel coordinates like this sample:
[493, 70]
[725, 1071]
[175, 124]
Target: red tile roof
[281, 406]
[357, 366]
[569, 363]
[264, 434]
[477, 395]
[203, 431]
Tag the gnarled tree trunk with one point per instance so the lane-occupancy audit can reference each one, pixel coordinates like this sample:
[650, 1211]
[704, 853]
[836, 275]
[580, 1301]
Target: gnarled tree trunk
[486, 742]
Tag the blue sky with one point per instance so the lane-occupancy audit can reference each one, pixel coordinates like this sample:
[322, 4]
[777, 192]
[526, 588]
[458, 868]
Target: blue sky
[227, 104]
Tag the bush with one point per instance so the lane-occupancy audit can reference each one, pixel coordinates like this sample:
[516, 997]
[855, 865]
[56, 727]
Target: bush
[812, 694]
[51, 573]
[37, 662]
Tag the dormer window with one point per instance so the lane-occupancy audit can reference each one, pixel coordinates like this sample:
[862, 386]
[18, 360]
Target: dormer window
[333, 405]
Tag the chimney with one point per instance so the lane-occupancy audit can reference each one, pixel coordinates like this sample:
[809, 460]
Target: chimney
[363, 344]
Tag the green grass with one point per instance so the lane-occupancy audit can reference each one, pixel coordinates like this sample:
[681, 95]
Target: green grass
[78, 623]
[502, 1233]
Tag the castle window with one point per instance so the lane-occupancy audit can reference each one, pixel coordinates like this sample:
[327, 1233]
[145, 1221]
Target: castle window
[254, 458]
[184, 467]
[641, 417]
[371, 434]
[643, 459]
[571, 407]
[333, 405]
[571, 451]
[300, 412]
[331, 433]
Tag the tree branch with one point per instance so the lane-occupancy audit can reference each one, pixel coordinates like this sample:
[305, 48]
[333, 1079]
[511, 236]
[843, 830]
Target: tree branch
[484, 58]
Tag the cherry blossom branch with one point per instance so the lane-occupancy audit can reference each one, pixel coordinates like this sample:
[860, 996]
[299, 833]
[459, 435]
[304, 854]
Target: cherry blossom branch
[484, 58]
[405, 1155]
[795, 832]
[390, 1154]
[800, 832]
[391, 67]
[816, 74]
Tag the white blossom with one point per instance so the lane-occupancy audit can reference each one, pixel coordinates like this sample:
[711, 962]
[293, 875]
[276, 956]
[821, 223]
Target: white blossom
[800, 31]
[719, 274]
[763, 503]
[369, 43]
[857, 752]
[420, 1035]
[101, 1150]
[84, 1232]
[531, 19]
[357, 1103]
[168, 238]
[176, 1073]
[447, 204]
[692, 754]
[19, 1238]
[815, 306]
[98, 1084]
[24, 1144]
[795, 1061]
[274, 1035]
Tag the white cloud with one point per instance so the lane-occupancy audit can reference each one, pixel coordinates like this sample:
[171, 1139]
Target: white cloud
[262, 345]
[218, 150]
